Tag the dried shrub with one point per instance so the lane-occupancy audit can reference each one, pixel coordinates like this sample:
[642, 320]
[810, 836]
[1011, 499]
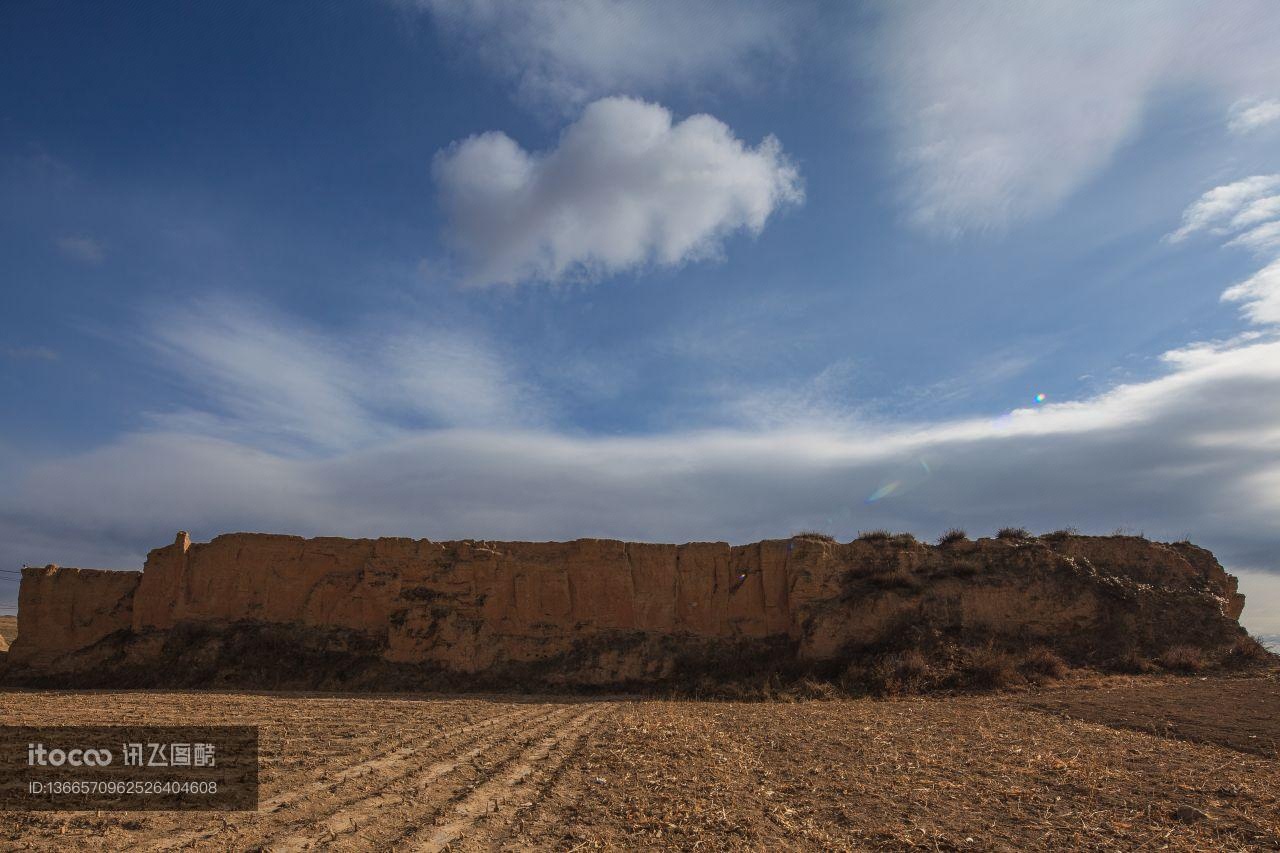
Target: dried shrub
[1013, 533]
[1061, 534]
[1245, 653]
[955, 534]
[1130, 663]
[875, 535]
[1184, 659]
[990, 669]
[1043, 664]
[815, 535]
[812, 688]
[911, 665]
[897, 674]
[904, 538]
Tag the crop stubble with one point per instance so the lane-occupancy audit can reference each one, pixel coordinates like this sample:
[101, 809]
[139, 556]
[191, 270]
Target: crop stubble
[1083, 766]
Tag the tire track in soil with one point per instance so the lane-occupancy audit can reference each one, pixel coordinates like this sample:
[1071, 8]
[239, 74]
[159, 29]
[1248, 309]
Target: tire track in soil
[376, 821]
[480, 812]
[385, 764]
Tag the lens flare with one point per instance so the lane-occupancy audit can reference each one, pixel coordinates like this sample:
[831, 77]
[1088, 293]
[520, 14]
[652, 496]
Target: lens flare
[883, 492]
[1039, 398]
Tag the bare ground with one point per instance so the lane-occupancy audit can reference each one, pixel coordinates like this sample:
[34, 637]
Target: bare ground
[1102, 764]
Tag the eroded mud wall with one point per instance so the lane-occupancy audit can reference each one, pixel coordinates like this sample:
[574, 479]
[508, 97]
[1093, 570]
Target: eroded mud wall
[601, 612]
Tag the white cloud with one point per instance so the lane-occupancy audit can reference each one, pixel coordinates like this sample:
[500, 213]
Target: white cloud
[1250, 115]
[1193, 452]
[1260, 239]
[1250, 209]
[86, 250]
[625, 187]
[1258, 210]
[273, 382]
[1238, 203]
[999, 112]
[35, 353]
[565, 54]
[1003, 110]
[1260, 294]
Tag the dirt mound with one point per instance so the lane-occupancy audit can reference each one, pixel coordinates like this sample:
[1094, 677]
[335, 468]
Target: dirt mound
[263, 610]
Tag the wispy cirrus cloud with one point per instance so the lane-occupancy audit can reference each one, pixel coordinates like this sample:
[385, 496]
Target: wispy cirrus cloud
[33, 353]
[1247, 210]
[258, 376]
[563, 55]
[998, 114]
[1194, 451]
[627, 186]
[1002, 112]
[82, 248]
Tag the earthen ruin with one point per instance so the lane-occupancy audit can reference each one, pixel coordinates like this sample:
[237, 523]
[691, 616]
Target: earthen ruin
[268, 610]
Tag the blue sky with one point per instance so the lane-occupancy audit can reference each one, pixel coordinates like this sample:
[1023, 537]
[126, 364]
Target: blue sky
[650, 270]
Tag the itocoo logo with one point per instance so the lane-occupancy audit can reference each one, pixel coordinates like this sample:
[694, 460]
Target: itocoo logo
[37, 755]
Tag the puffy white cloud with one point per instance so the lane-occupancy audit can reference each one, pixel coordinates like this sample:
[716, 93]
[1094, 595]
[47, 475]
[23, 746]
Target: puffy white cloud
[1250, 115]
[625, 187]
[1002, 111]
[566, 54]
[999, 112]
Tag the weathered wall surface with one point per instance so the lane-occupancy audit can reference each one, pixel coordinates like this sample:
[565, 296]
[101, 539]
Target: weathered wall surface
[68, 610]
[602, 612]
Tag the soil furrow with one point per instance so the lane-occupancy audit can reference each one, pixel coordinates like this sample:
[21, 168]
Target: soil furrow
[528, 773]
[377, 813]
[291, 806]
[498, 791]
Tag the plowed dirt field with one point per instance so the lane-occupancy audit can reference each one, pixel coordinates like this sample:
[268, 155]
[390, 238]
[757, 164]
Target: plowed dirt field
[1078, 767]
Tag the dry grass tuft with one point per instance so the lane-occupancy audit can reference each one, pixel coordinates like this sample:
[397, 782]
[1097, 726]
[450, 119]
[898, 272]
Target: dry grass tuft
[1130, 663]
[812, 688]
[955, 534]
[1061, 534]
[1013, 533]
[990, 669]
[817, 535]
[1184, 659]
[894, 674]
[881, 535]
[903, 673]
[1042, 664]
[1246, 653]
